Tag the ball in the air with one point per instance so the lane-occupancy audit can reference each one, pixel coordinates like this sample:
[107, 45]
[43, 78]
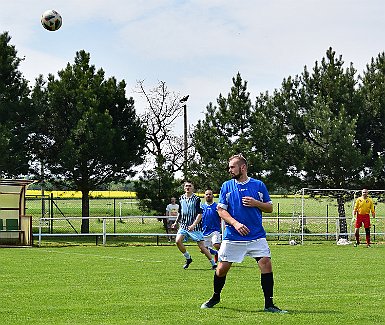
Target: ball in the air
[51, 20]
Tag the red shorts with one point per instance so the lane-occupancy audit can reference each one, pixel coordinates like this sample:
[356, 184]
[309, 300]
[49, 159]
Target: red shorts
[363, 219]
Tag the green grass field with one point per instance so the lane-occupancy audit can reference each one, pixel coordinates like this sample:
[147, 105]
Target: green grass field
[317, 284]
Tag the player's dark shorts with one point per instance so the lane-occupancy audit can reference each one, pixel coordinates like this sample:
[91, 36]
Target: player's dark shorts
[363, 219]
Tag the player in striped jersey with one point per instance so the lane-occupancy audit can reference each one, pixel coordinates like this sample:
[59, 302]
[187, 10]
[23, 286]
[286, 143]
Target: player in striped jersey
[190, 225]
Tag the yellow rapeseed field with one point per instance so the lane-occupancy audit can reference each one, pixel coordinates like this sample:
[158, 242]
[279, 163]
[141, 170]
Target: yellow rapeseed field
[78, 194]
[108, 194]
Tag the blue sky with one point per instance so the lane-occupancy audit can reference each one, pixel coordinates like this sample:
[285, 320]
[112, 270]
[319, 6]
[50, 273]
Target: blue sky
[196, 47]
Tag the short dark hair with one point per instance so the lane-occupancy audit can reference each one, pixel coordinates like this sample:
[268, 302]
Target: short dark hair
[240, 157]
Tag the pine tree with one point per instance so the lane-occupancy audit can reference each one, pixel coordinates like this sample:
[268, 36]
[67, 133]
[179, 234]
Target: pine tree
[14, 105]
[92, 135]
[224, 131]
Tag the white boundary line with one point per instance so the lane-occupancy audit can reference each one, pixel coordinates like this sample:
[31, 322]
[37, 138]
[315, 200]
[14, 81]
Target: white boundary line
[102, 256]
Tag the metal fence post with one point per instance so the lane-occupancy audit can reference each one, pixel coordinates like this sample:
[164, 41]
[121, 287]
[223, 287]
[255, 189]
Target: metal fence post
[40, 232]
[278, 220]
[104, 232]
[51, 215]
[114, 215]
[327, 221]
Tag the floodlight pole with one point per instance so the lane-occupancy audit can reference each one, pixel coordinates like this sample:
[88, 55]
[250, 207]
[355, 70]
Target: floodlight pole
[183, 101]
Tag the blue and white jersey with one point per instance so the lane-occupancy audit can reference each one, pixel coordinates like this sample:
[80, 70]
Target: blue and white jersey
[230, 199]
[211, 221]
[189, 208]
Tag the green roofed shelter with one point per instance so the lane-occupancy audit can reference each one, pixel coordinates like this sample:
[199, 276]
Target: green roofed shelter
[15, 225]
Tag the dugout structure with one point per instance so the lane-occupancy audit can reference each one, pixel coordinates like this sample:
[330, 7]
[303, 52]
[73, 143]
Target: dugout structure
[15, 225]
[327, 214]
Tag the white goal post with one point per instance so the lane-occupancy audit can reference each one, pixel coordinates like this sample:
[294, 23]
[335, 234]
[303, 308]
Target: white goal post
[327, 213]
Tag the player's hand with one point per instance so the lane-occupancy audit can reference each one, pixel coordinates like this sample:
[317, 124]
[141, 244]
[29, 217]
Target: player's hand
[191, 228]
[173, 226]
[248, 201]
[241, 228]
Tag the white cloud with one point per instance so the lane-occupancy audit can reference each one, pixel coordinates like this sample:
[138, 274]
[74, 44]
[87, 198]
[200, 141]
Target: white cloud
[196, 46]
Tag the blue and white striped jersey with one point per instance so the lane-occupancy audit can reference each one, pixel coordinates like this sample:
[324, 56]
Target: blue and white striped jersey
[189, 208]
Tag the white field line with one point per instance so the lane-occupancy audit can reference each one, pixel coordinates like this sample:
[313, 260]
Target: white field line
[102, 256]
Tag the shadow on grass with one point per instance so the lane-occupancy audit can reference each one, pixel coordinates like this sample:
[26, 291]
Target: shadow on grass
[208, 268]
[290, 311]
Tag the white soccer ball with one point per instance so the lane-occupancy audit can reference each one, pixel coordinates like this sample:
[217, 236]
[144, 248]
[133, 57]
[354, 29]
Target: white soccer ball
[292, 242]
[51, 20]
[343, 241]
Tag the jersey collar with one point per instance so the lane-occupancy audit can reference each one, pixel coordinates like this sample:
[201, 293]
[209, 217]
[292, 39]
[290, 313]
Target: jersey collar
[242, 183]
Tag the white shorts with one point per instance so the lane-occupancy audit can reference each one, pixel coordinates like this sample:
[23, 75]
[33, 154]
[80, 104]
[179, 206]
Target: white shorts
[235, 251]
[214, 238]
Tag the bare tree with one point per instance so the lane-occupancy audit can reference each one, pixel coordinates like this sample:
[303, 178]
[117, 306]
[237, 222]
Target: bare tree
[163, 108]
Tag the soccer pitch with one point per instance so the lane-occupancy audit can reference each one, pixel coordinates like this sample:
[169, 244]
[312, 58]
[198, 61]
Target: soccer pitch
[317, 284]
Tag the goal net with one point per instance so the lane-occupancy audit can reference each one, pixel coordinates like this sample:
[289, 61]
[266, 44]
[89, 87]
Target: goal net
[327, 214]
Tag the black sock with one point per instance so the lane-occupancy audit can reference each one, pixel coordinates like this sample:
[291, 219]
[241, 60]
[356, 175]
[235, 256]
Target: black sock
[219, 282]
[367, 232]
[267, 283]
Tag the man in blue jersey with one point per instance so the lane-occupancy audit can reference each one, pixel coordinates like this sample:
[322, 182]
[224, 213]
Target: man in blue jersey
[190, 225]
[211, 223]
[241, 203]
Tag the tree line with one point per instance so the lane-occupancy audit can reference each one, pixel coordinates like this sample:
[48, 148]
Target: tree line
[324, 127]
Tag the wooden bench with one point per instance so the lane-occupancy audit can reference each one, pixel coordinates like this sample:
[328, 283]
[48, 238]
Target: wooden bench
[12, 226]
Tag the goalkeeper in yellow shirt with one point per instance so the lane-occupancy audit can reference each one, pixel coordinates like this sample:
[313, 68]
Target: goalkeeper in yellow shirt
[362, 208]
